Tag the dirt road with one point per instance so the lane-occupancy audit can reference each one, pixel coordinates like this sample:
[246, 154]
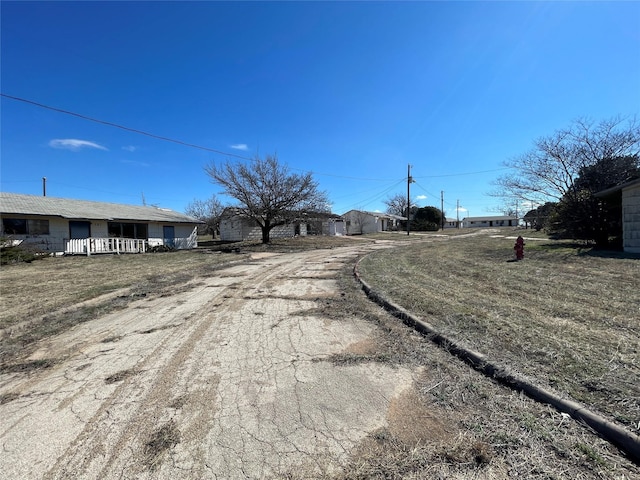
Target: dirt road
[228, 379]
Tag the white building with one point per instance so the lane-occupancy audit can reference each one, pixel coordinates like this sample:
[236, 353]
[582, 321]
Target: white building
[491, 221]
[63, 225]
[629, 194]
[235, 226]
[358, 222]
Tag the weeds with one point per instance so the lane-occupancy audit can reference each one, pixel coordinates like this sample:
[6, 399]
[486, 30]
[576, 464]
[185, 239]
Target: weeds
[161, 440]
[30, 366]
[121, 375]
[355, 359]
[8, 397]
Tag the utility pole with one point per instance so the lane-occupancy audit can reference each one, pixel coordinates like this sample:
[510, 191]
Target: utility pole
[409, 182]
[458, 213]
[442, 209]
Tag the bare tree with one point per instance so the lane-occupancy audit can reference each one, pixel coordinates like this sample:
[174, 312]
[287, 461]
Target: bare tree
[267, 192]
[208, 211]
[397, 205]
[359, 218]
[550, 169]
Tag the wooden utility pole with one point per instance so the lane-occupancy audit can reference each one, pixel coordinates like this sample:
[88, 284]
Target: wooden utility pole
[442, 209]
[409, 180]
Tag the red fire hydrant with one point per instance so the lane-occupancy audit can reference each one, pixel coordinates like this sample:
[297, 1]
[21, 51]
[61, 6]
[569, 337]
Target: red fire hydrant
[519, 248]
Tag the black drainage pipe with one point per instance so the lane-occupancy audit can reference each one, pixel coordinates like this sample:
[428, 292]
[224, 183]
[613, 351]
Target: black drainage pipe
[613, 433]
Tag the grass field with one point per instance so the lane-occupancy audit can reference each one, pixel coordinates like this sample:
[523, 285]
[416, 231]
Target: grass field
[565, 316]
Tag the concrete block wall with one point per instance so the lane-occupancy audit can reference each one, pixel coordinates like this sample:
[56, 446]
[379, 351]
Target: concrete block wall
[631, 219]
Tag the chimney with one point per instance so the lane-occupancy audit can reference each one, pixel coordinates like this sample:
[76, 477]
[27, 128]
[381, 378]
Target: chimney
[44, 186]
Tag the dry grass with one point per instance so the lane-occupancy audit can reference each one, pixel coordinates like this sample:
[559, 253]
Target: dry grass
[162, 440]
[40, 288]
[51, 295]
[120, 376]
[565, 316]
[455, 423]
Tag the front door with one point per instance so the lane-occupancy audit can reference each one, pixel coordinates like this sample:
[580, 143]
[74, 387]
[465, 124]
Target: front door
[79, 229]
[169, 234]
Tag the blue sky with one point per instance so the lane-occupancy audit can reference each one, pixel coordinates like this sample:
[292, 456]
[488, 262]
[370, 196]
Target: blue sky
[353, 92]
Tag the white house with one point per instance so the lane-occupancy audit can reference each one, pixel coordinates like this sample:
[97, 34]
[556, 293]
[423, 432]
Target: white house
[452, 223]
[70, 226]
[358, 222]
[630, 198]
[494, 221]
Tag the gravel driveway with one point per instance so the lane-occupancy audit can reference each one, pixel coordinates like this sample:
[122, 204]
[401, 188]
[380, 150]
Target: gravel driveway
[228, 379]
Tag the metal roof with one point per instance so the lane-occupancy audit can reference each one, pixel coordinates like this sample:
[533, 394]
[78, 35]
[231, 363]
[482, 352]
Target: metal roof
[496, 218]
[20, 204]
[612, 190]
[377, 214]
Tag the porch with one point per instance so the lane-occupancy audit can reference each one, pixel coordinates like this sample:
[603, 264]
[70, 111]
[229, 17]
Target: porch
[91, 246]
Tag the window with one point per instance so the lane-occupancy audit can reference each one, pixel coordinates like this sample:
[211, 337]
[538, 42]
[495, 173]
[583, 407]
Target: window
[21, 226]
[127, 230]
[38, 227]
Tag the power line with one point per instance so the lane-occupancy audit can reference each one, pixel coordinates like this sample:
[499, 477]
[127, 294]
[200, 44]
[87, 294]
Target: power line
[111, 124]
[465, 173]
[344, 176]
[213, 150]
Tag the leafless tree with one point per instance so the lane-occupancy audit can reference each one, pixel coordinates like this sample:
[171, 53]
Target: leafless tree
[268, 192]
[397, 205]
[549, 170]
[208, 211]
[359, 218]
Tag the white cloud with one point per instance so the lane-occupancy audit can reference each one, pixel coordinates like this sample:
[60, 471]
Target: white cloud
[240, 146]
[74, 144]
[130, 148]
[421, 197]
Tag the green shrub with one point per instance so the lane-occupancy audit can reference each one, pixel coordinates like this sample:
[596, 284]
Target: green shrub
[10, 253]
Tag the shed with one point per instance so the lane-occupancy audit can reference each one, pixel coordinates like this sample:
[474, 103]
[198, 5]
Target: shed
[628, 194]
[64, 225]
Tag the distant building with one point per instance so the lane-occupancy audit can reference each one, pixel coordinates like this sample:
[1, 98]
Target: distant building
[452, 223]
[495, 221]
[358, 222]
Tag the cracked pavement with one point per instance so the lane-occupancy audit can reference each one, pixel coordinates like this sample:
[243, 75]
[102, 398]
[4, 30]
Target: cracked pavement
[232, 372]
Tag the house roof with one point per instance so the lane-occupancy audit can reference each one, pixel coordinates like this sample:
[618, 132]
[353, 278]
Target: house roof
[20, 204]
[612, 190]
[377, 214]
[484, 219]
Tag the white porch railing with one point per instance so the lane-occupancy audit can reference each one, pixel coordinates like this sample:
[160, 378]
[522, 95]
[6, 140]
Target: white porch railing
[91, 246]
